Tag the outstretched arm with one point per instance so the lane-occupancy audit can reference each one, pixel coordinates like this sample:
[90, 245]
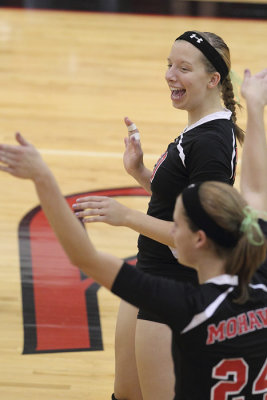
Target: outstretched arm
[132, 285]
[110, 211]
[23, 161]
[253, 181]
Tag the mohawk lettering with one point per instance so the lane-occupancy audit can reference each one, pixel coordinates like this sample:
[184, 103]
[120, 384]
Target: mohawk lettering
[236, 326]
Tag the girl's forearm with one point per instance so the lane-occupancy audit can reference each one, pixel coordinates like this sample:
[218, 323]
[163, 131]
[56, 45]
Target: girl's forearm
[151, 227]
[254, 158]
[143, 178]
[72, 236]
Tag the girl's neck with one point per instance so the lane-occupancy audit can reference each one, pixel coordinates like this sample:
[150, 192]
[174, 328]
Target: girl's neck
[196, 114]
[210, 267]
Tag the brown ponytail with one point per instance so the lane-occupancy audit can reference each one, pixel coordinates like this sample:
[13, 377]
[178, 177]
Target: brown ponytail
[226, 207]
[230, 103]
[243, 257]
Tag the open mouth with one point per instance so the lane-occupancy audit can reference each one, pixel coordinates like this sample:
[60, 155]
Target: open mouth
[177, 94]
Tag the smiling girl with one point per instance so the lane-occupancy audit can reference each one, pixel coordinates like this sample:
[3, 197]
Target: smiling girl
[198, 77]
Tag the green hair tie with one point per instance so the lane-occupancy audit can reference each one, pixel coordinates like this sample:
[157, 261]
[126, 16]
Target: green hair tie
[251, 228]
[236, 82]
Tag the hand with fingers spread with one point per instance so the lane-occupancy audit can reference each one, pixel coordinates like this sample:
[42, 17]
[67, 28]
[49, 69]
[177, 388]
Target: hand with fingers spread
[23, 160]
[110, 211]
[254, 87]
[100, 209]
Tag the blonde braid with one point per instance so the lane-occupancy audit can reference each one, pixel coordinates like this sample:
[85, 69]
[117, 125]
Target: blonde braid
[227, 91]
[230, 103]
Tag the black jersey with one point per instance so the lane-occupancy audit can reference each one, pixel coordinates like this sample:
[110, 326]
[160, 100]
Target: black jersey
[204, 151]
[222, 344]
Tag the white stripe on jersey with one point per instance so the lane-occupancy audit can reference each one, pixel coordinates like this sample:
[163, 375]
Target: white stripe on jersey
[224, 279]
[259, 286]
[181, 150]
[208, 312]
[233, 155]
[225, 114]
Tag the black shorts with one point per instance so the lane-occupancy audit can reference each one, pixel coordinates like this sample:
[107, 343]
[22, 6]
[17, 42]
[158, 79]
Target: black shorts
[174, 271]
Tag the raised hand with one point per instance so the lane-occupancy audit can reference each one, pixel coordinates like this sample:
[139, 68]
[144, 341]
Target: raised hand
[23, 160]
[100, 209]
[133, 155]
[254, 87]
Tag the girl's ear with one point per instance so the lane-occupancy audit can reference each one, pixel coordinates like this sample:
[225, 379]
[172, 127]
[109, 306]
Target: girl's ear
[201, 239]
[214, 80]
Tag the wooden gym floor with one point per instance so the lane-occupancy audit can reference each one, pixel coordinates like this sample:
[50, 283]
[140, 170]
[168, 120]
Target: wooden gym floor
[67, 79]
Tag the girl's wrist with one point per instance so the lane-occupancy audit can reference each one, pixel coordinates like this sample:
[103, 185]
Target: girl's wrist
[256, 104]
[42, 175]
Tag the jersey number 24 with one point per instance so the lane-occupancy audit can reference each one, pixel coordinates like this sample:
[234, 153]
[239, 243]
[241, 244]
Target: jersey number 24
[238, 370]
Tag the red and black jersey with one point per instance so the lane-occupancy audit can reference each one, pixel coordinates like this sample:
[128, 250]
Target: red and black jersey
[222, 345]
[204, 151]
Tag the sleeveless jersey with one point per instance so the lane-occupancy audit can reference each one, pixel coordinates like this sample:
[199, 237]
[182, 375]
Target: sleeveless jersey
[204, 151]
